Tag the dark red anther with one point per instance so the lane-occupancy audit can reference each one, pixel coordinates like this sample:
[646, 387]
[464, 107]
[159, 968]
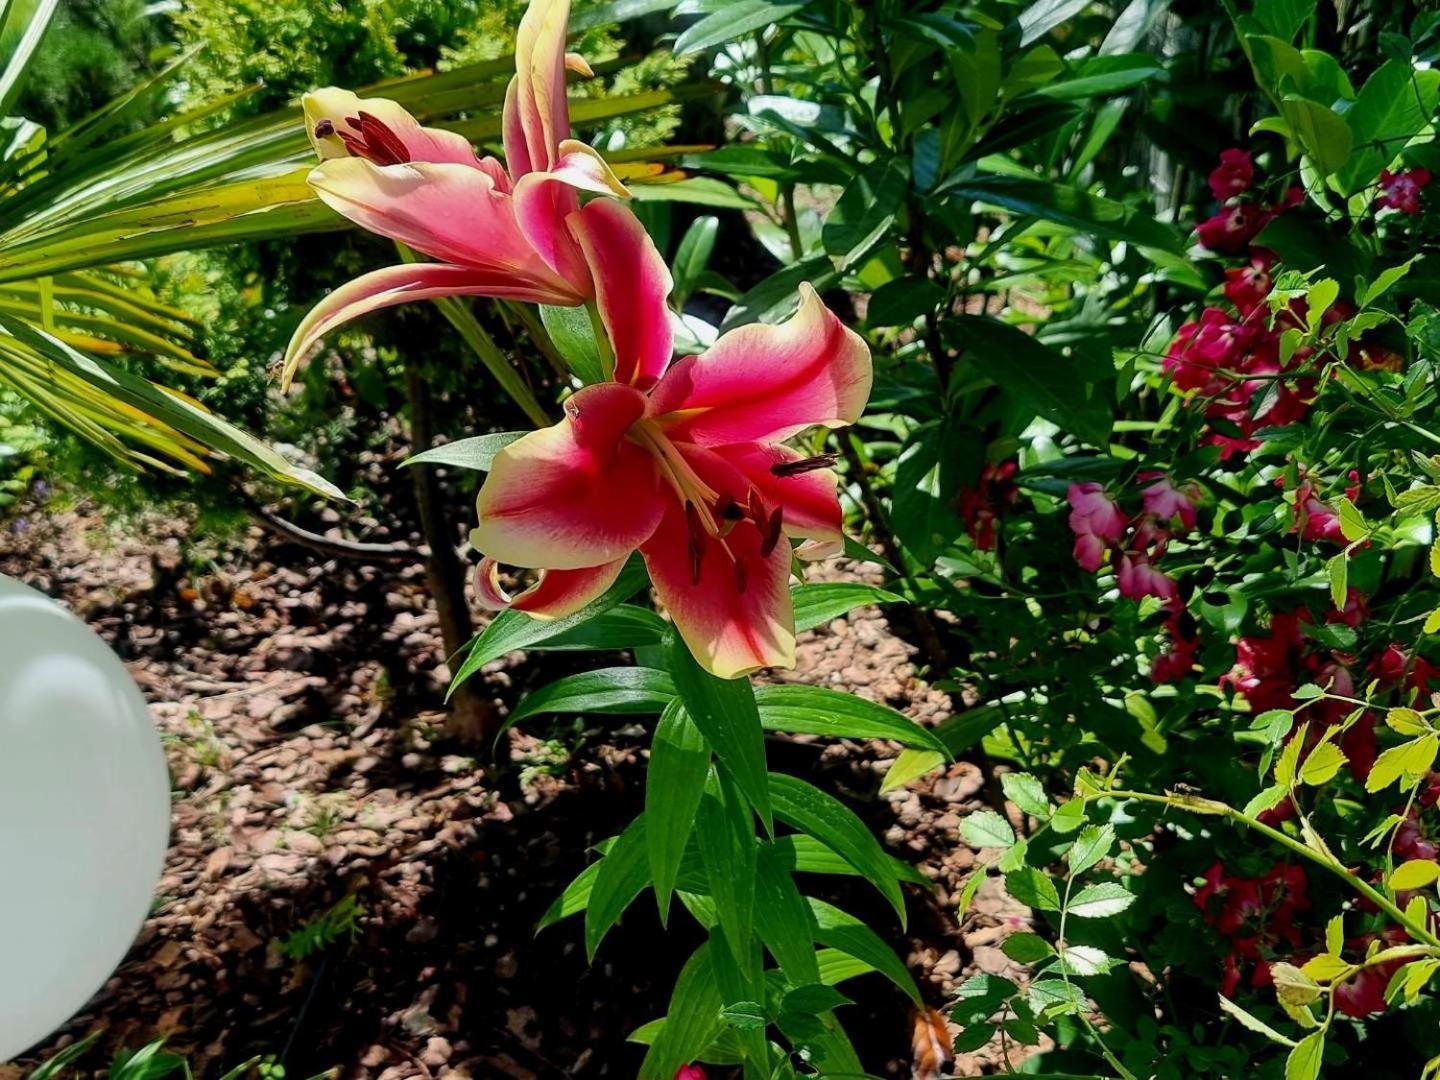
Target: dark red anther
[758, 513]
[376, 142]
[324, 129]
[804, 465]
[742, 576]
[729, 509]
[772, 532]
[696, 543]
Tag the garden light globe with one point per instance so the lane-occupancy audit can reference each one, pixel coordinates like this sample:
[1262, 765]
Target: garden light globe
[84, 815]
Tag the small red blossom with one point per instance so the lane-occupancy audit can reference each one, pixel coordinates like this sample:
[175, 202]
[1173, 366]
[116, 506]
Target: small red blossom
[1401, 191]
[1177, 660]
[1171, 505]
[1314, 520]
[1256, 914]
[690, 1072]
[1247, 286]
[1233, 175]
[981, 506]
[1096, 521]
[1232, 228]
[1138, 578]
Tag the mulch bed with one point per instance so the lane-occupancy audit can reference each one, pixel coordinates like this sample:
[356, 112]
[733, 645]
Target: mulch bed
[299, 700]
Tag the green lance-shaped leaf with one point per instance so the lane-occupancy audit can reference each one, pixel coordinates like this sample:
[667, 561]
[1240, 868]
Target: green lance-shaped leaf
[840, 930]
[617, 690]
[819, 603]
[782, 916]
[511, 630]
[692, 1023]
[623, 875]
[674, 784]
[824, 817]
[725, 712]
[728, 850]
[815, 710]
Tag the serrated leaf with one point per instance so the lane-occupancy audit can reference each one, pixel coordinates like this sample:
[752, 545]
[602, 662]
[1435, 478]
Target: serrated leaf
[1303, 1062]
[1292, 985]
[1248, 1020]
[987, 829]
[1415, 874]
[1084, 960]
[1322, 764]
[1033, 889]
[1338, 570]
[910, 765]
[1092, 845]
[1335, 935]
[1026, 948]
[1026, 792]
[1069, 817]
[1432, 621]
[1406, 722]
[1266, 799]
[1412, 759]
[967, 893]
[1098, 901]
[1353, 525]
[1324, 968]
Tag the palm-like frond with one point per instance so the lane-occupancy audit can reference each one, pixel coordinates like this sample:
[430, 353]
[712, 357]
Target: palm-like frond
[86, 199]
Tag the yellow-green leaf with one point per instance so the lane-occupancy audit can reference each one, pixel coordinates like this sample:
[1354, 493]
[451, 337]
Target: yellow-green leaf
[1406, 722]
[1415, 874]
[1322, 764]
[1411, 759]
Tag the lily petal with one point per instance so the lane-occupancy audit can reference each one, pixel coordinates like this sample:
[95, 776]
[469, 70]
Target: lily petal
[573, 495]
[543, 205]
[402, 285]
[337, 110]
[632, 283]
[450, 212]
[555, 594]
[537, 116]
[764, 382]
[808, 502]
[731, 630]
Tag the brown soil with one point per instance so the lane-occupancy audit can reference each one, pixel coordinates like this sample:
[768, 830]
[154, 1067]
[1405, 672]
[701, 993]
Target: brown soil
[299, 701]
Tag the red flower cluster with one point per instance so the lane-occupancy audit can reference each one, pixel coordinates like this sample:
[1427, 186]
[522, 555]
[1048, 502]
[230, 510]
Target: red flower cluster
[982, 505]
[1101, 527]
[1401, 191]
[1315, 520]
[1238, 221]
[690, 1072]
[1268, 671]
[1256, 914]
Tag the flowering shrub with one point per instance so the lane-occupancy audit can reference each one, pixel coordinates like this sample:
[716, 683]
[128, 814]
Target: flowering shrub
[1161, 504]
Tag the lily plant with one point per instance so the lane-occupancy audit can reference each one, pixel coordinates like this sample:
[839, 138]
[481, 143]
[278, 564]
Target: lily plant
[684, 463]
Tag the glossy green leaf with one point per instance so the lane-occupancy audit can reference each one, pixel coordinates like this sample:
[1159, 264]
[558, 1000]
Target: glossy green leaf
[819, 603]
[839, 930]
[674, 784]
[816, 710]
[512, 630]
[692, 1022]
[624, 872]
[1071, 391]
[725, 712]
[807, 808]
[729, 850]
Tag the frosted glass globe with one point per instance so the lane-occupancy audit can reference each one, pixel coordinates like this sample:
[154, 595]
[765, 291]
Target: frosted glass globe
[84, 815]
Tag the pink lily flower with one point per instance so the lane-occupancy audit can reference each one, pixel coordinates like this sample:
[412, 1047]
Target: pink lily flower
[515, 231]
[694, 475]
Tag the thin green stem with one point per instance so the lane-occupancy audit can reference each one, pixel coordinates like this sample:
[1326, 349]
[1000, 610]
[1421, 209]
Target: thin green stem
[1219, 809]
